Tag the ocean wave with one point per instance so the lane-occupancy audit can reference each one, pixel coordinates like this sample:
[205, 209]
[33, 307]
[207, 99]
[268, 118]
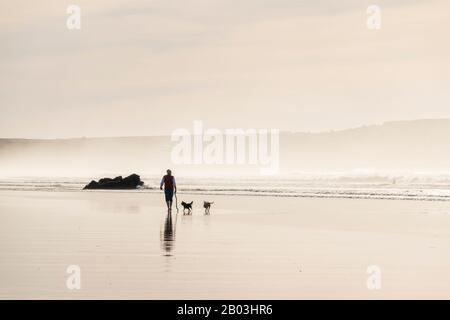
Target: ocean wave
[300, 188]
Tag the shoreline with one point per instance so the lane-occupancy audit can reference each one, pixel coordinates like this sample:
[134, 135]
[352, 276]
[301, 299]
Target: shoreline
[256, 194]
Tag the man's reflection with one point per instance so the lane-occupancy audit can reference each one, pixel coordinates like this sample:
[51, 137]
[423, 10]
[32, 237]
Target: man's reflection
[168, 235]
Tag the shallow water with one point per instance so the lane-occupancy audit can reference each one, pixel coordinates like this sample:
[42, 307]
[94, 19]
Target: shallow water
[249, 247]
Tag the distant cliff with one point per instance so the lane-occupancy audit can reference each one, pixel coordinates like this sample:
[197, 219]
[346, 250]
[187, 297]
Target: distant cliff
[422, 145]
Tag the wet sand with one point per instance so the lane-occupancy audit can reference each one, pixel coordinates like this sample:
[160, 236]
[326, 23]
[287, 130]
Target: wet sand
[248, 248]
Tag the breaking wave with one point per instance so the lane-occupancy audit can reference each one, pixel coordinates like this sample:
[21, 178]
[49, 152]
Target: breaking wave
[355, 185]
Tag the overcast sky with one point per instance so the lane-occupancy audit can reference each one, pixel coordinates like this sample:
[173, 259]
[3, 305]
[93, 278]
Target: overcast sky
[149, 67]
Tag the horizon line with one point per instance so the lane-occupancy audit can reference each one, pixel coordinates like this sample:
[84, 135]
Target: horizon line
[281, 131]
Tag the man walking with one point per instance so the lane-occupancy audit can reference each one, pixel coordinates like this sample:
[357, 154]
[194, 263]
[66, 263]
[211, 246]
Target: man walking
[170, 187]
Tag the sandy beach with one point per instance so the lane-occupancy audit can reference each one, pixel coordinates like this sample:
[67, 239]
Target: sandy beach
[248, 248]
[320, 130]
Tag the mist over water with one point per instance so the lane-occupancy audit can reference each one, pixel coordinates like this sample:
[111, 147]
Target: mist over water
[398, 160]
[395, 149]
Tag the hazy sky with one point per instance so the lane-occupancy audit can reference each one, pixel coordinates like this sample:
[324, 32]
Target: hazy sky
[148, 67]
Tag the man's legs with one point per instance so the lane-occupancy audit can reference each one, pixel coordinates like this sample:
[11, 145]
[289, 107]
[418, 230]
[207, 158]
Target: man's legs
[169, 194]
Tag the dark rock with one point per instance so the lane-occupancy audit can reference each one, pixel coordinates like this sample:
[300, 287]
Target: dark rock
[92, 185]
[106, 180]
[131, 182]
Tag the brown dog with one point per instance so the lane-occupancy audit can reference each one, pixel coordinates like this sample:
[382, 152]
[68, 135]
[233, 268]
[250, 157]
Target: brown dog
[207, 206]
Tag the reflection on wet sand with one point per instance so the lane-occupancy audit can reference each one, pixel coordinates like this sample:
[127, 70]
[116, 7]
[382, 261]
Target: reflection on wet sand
[168, 235]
